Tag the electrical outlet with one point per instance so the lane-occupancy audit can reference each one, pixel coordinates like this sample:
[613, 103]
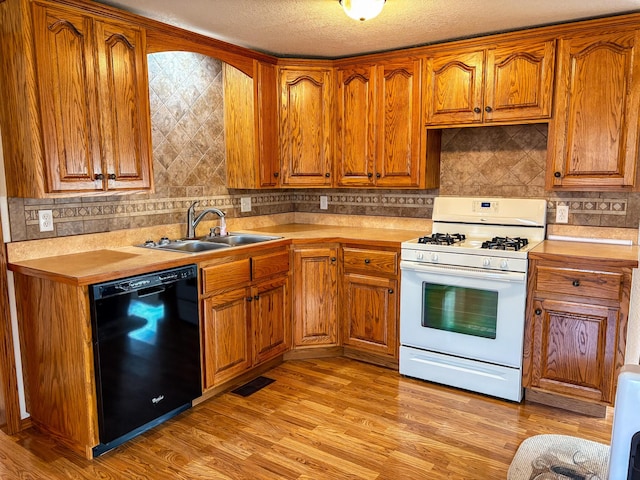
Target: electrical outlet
[562, 213]
[324, 202]
[45, 220]
[245, 204]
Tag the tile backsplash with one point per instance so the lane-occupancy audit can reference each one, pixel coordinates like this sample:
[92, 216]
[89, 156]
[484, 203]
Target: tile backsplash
[188, 153]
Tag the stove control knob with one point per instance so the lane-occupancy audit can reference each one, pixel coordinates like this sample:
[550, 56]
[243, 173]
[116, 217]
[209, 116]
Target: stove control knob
[164, 241]
[486, 262]
[504, 264]
[434, 257]
[419, 256]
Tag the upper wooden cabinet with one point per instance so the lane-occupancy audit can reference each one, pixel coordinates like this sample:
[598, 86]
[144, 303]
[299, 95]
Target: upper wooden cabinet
[306, 99]
[506, 82]
[378, 139]
[251, 126]
[593, 137]
[89, 127]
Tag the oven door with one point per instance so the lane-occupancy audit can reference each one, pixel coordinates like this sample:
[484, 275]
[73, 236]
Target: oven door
[464, 312]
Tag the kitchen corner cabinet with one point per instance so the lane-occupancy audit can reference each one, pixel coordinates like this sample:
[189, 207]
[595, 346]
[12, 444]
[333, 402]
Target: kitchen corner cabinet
[370, 301]
[251, 126]
[378, 133]
[507, 82]
[246, 312]
[575, 336]
[90, 129]
[593, 137]
[306, 112]
[315, 303]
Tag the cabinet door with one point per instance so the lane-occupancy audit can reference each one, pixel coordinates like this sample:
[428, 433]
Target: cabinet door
[370, 306]
[519, 81]
[398, 161]
[305, 123]
[315, 296]
[271, 319]
[593, 138]
[574, 349]
[356, 131]
[227, 351]
[453, 88]
[124, 106]
[66, 64]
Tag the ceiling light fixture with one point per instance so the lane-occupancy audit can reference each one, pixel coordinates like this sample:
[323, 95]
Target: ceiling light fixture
[362, 9]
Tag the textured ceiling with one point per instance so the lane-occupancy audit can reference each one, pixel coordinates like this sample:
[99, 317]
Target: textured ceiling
[319, 28]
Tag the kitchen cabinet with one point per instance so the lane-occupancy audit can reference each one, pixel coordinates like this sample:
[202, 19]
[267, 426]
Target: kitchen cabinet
[370, 302]
[593, 137]
[315, 303]
[306, 112]
[575, 336]
[91, 80]
[251, 126]
[378, 141]
[246, 312]
[507, 82]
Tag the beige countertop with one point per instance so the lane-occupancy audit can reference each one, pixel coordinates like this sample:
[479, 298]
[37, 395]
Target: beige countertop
[622, 254]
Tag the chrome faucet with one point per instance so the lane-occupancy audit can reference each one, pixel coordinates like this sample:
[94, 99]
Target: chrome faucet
[192, 222]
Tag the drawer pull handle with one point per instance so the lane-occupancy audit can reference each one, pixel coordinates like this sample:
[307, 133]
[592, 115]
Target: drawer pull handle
[538, 311]
[576, 283]
[367, 261]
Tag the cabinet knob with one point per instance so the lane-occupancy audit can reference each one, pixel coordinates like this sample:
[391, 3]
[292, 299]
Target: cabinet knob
[378, 175]
[391, 290]
[98, 176]
[257, 297]
[488, 109]
[249, 299]
[327, 174]
[538, 311]
[276, 174]
[576, 283]
[333, 259]
[557, 174]
[111, 176]
[367, 261]
[477, 110]
[369, 174]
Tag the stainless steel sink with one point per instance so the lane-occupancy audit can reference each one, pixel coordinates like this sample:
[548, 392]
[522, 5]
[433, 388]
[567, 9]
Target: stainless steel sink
[205, 244]
[238, 239]
[188, 246]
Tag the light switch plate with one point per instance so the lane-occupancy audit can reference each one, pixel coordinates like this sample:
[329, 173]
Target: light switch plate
[562, 213]
[245, 204]
[324, 202]
[45, 220]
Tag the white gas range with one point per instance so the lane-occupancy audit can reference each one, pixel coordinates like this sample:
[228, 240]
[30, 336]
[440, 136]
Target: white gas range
[463, 294]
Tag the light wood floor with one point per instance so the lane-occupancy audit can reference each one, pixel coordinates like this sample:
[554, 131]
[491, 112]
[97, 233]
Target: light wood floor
[321, 419]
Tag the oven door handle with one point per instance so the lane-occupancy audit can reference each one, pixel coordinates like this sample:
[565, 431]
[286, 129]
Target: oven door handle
[464, 272]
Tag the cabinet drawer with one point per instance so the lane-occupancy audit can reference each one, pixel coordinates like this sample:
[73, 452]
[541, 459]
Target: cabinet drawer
[370, 261]
[225, 275]
[266, 265]
[585, 283]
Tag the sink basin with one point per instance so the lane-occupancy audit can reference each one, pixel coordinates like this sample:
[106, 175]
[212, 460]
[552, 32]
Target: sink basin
[190, 246]
[205, 244]
[238, 239]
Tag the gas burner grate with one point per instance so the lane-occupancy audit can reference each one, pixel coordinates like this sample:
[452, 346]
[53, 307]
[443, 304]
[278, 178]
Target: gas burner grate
[442, 238]
[506, 243]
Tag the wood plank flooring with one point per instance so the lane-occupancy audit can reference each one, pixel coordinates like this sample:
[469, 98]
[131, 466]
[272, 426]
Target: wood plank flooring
[330, 418]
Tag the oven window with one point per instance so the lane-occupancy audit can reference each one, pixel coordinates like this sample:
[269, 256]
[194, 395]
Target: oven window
[460, 310]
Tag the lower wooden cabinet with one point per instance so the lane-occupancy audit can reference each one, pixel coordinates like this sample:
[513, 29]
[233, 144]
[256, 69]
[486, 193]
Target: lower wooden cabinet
[247, 314]
[315, 304]
[575, 337]
[370, 300]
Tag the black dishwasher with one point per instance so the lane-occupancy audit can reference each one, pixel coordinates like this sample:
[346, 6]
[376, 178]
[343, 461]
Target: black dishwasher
[146, 344]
